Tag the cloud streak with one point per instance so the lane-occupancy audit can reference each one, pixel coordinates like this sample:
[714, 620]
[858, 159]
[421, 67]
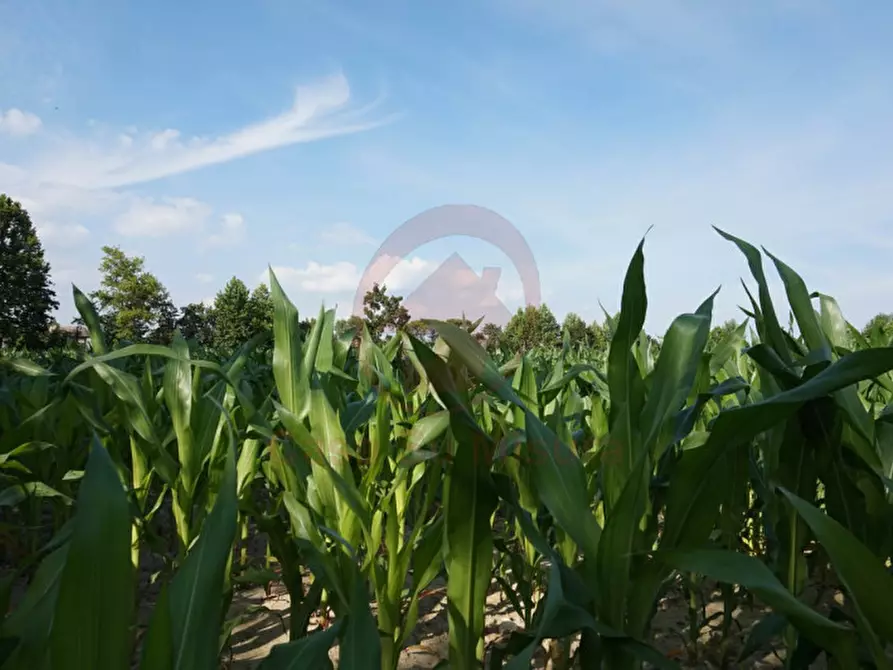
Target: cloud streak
[345, 234]
[319, 111]
[231, 231]
[148, 217]
[344, 276]
[18, 123]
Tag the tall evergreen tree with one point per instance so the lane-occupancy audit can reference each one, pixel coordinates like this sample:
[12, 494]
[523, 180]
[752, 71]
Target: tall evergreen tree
[576, 329]
[133, 304]
[260, 310]
[196, 324]
[600, 336]
[27, 298]
[232, 319]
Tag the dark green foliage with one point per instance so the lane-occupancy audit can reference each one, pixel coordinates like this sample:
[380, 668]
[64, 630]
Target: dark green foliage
[421, 330]
[493, 337]
[576, 329]
[132, 303]
[260, 310]
[238, 315]
[384, 312]
[196, 324]
[532, 327]
[26, 294]
[232, 323]
[881, 325]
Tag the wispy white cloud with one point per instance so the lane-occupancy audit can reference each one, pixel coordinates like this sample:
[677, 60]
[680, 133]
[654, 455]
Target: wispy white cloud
[655, 28]
[407, 273]
[62, 234]
[345, 234]
[231, 231]
[204, 277]
[148, 217]
[343, 277]
[317, 278]
[19, 123]
[319, 111]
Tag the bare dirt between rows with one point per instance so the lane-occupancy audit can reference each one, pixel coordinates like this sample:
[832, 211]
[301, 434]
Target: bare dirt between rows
[253, 640]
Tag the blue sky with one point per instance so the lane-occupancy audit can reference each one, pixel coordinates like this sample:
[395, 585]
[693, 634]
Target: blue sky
[217, 138]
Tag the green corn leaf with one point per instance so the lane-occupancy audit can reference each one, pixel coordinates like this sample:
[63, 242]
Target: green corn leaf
[25, 367]
[195, 603]
[727, 348]
[563, 613]
[27, 629]
[834, 326]
[761, 635]
[475, 358]
[325, 352]
[326, 430]
[15, 494]
[469, 502]
[128, 391]
[95, 606]
[360, 647]
[428, 429]
[767, 321]
[675, 372]
[91, 319]
[695, 493]
[863, 574]
[158, 644]
[177, 389]
[734, 568]
[311, 346]
[308, 652]
[292, 380]
[560, 482]
[798, 297]
[815, 339]
[624, 380]
[618, 545]
[306, 530]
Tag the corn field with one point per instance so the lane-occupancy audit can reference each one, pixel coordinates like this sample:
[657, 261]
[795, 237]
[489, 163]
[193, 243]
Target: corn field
[584, 489]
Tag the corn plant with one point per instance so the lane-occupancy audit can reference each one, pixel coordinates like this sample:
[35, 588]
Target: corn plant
[583, 487]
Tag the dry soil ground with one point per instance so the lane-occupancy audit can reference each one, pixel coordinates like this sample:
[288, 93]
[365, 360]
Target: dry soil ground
[254, 639]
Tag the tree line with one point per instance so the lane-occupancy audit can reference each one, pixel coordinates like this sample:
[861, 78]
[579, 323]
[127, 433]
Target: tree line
[134, 306]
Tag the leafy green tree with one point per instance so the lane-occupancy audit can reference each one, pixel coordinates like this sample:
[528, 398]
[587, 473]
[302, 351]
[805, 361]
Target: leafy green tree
[421, 330]
[384, 312]
[260, 310]
[196, 323]
[576, 329]
[493, 337]
[600, 334]
[532, 327]
[881, 324]
[232, 316]
[27, 298]
[166, 323]
[132, 303]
